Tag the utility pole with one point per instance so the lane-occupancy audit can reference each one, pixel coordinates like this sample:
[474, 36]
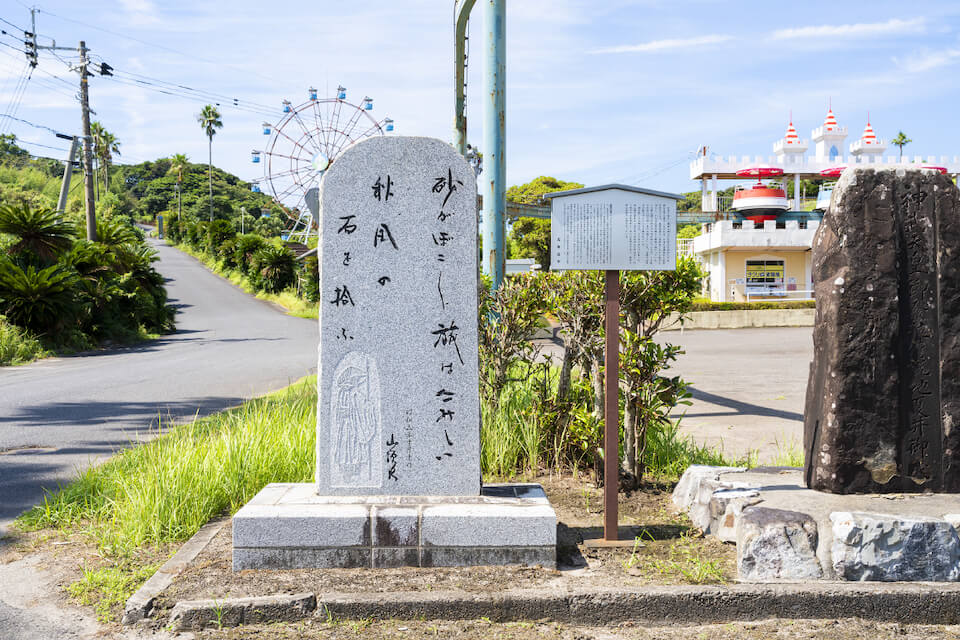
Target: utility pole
[87, 147]
[105, 70]
[67, 172]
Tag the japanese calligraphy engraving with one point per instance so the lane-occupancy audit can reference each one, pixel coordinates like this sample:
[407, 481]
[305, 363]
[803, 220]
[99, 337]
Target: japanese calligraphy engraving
[398, 256]
[882, 398]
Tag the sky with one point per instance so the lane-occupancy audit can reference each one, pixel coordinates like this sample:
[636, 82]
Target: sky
[597, 91]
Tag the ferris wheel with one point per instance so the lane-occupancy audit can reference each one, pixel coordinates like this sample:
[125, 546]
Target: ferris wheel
[302, 144]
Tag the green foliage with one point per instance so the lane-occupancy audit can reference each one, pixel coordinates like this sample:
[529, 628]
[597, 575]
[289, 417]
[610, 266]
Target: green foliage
[18, 346]
[311, 278]
[532, 191]
[901, 140]
[530, 238]
[37, 300]
[688, 231]
[218, 232]
[40, 232]
[268, 227]
[749, 306]
[273, 268]
[245, 247]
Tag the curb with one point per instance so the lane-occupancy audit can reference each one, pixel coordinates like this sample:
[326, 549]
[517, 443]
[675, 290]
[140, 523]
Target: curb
[139, 604]
[920, 603]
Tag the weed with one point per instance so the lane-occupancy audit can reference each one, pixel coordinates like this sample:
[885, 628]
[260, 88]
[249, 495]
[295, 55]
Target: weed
[684, 560]
[17, 346]
[108, 587]
[632, 561]
[789, 454]
[218, 613]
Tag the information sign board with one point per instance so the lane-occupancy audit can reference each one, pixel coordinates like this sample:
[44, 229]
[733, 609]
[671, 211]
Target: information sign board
[613, 228]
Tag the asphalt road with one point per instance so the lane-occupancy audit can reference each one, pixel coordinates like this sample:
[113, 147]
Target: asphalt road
[61, 414]
[748, 387]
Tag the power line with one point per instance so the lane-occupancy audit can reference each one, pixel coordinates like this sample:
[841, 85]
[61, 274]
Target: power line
[189, 56]
[45, 146]
[12, 25]
[37, 126]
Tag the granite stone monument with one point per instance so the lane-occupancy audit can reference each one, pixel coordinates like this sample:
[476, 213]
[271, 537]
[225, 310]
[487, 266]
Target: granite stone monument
[883, 398]
[398, 414]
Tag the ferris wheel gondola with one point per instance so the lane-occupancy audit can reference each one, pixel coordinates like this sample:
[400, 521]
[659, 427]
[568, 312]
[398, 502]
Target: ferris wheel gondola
[303, 143]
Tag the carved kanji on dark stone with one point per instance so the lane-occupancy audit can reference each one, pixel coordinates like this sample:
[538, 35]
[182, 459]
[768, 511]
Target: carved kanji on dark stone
[883, 399]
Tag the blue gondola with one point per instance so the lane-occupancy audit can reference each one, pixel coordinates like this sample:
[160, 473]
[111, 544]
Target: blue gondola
[255, 188]
[267, 128]
[255, 156]
[389, 123]
[341, 92]
[368, 103]
[286, 106]
[313, 93]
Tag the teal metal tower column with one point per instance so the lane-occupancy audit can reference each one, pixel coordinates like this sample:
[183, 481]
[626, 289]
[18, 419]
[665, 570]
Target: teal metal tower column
[494, 140]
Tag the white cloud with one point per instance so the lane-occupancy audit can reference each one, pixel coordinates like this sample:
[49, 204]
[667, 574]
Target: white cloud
[926, 60]
[660, 45]
[857, 30]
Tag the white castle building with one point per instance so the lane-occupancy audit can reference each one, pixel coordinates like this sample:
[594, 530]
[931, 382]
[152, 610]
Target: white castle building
[790, 154]
[768, 259]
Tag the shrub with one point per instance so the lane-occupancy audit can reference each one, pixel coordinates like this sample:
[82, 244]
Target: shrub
[38, 300]
[40, 232]
[273, 269]
[17, 345]
[246, 246]
[217, 233]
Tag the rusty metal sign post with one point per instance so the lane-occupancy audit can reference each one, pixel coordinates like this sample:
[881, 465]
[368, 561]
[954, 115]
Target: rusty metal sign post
[611, 414]
[612, 228]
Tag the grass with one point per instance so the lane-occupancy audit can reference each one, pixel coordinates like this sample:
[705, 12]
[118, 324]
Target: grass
[18, 346]
[288, 299]
[789, 453]
[166, 489]
[518, 435]
[109, 587]
[685, 560]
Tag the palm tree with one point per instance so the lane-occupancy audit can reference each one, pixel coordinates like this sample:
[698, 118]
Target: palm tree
[105, 146]
[178, 163]
[110, 148]
[900, 141]
[209, 119]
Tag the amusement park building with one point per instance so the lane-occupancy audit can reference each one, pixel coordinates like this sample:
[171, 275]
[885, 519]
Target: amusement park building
[771, 259]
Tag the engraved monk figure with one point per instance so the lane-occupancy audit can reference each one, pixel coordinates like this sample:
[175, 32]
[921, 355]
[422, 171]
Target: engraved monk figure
[356, 422]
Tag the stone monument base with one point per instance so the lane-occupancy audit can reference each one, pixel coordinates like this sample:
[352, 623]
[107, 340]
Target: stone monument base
[288, 526]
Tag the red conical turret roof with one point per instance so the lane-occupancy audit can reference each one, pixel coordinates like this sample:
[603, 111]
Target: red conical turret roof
[791, 137]
[869, 137]
[831, 121]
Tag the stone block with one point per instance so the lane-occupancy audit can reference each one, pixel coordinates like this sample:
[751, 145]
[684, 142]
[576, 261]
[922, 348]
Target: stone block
[470, 556]
[473, 525]
[775, 544]
[688, 488]
[870, 546]
[281, 558]
[396, 527]
[290, 525]
[725, 508]
[389, 558]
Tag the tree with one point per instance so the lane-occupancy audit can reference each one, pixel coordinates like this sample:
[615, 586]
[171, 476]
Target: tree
[209, 119]
[901, 140]
[178, 164]
[530, 237]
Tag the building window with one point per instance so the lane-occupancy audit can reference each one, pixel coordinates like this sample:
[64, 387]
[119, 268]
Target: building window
[765, 277]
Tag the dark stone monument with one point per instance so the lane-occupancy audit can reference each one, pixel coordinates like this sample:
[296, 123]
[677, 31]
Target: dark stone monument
[883, 399]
